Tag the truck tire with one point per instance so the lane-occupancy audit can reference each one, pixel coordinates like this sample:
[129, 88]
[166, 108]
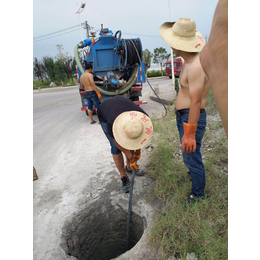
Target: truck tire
[136, 98]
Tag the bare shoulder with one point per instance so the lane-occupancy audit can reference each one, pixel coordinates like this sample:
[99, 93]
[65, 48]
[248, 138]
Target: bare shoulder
[196, 70]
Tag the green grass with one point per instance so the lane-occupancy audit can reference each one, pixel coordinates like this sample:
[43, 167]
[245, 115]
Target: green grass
[155, 73]
[201, 228]
[45, 84]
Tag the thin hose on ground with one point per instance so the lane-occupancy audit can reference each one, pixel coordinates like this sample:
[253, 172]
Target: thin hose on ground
[134, 171]
[146, 77]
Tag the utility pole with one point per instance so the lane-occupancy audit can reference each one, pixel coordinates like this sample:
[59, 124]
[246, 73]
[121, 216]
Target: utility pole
[173, 78]
[87, 28]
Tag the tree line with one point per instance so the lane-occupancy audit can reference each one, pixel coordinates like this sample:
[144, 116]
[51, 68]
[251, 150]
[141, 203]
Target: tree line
[61, 69]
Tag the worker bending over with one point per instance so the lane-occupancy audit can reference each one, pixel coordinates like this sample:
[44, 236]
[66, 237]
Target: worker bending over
[128, 128]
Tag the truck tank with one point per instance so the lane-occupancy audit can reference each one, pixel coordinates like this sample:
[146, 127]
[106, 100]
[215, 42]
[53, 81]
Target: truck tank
[116, 65]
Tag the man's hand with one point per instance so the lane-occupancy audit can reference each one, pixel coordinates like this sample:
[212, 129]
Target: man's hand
[137, 154]
[133, 163]
[98, 94]
[188, 139]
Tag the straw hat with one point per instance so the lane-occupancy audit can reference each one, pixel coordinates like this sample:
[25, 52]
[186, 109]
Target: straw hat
[132, 130]
[182, 35]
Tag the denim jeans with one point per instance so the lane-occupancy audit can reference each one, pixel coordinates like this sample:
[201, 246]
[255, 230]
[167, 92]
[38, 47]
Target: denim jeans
[92, 98]
[114, 149]
[194, 160]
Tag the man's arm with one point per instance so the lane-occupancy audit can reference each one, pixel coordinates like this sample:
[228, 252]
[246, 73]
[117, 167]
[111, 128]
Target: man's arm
[196, 84]
[92, 83]
[81, 82]
[196, 79]
[127, 153]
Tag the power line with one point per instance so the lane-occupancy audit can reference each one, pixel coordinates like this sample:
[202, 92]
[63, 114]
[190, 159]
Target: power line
[42, 36]
[37, 40]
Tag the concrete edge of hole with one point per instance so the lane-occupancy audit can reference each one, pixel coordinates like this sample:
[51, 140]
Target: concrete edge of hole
[142, 249]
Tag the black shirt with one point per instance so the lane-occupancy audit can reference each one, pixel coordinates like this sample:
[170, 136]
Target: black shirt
[111, 108]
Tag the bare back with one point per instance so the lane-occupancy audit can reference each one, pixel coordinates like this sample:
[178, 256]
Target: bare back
[194, 85]
[87, 81]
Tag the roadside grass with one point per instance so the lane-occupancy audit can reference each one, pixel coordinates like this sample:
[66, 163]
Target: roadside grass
[45, 84]
[200, 228]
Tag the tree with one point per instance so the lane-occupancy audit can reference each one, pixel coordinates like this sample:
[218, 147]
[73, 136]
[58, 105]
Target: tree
[63, 64]
[49, 67]
[147, 58]
[38, 70]
[160, 56]
[68, 67]
[61, 56]
[60, 72]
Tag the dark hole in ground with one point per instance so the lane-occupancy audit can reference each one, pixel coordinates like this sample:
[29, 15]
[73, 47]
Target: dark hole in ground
[99, 232]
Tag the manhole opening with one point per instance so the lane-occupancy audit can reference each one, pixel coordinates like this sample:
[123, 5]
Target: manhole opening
[99, 233]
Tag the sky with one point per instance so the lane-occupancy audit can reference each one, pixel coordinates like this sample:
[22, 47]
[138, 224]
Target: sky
[134, 18]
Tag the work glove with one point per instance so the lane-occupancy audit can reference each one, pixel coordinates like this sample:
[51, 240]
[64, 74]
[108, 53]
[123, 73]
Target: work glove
[137, 154]
[133, 163]
[99, 95]
[188, 139]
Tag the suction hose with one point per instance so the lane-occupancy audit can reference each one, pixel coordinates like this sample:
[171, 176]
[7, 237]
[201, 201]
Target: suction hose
[130, 209]
[120, 91]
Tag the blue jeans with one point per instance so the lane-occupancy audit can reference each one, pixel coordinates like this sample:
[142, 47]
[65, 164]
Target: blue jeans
[92, 98]
[114, 149]
[193, 160]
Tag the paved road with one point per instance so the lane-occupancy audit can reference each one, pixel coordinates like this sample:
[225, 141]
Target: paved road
[73, 162]
[57, 120]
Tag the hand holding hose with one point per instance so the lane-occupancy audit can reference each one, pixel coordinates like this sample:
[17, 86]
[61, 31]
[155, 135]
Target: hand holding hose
[137, 154]
[133, 160]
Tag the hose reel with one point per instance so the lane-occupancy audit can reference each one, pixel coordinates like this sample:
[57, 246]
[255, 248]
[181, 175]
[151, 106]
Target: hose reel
[116, 66]
[128, 52]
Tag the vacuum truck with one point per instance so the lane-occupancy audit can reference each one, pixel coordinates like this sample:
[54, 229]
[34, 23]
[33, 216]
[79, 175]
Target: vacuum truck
[116, 63]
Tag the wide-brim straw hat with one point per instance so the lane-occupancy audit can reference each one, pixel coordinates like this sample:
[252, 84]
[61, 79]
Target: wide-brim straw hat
[132, 130]
[182, 35]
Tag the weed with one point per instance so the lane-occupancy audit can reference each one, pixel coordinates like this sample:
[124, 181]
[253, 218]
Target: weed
[201, 227]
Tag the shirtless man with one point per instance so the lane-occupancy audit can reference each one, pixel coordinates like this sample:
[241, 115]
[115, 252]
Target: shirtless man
[187, 42]
[214, 60]
[87, 82]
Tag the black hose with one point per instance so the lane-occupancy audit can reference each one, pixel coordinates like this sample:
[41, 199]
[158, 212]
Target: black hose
[134, 50]
[146, 77]
[130, 209]
[133, 58]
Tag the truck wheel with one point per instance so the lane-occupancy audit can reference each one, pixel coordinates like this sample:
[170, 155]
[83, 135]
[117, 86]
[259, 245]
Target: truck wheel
[134, 98]
[170, 77]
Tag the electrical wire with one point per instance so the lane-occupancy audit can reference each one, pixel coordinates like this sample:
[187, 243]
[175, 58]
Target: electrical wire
[48, 34]
[52, 35]
[55, 35]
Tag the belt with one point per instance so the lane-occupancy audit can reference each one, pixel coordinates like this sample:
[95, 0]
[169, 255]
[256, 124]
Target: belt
[186, 111]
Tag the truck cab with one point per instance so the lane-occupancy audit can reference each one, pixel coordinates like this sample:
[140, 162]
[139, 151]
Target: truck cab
[177, 63]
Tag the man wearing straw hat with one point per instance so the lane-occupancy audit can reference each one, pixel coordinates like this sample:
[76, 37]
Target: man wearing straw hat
[128, 129]
[187, 42]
